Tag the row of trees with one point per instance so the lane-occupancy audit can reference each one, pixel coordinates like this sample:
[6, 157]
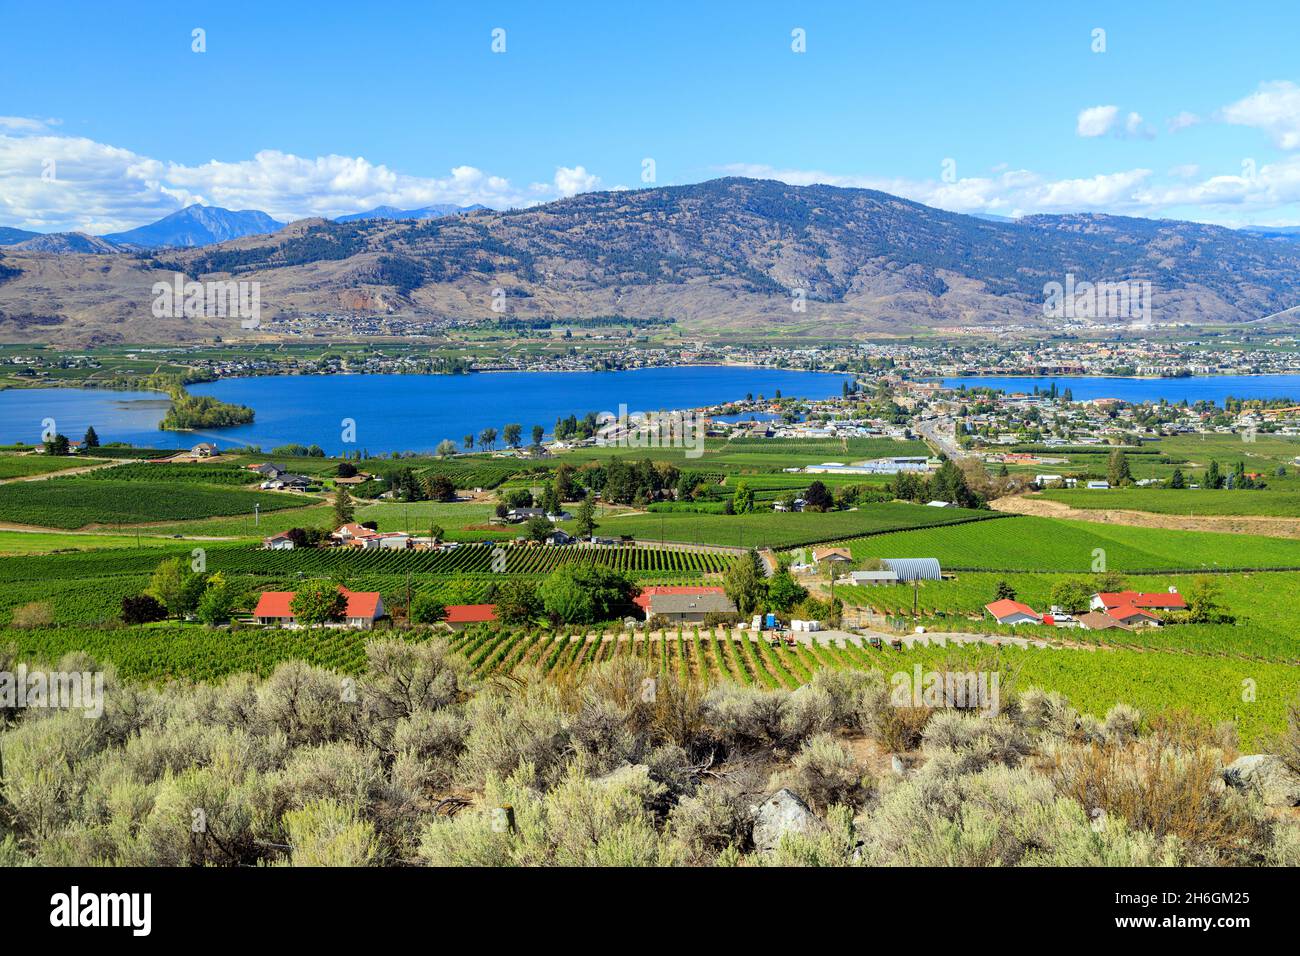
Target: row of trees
[177, 590]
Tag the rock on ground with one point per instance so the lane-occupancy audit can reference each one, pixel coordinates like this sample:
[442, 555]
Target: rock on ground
[783, 813]
[1277, 784]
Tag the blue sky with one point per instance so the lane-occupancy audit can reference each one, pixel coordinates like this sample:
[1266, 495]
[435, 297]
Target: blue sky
[1192, 110]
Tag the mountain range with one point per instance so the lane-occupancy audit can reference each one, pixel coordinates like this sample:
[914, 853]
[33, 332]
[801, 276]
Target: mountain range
[738, 256]
[435, 211]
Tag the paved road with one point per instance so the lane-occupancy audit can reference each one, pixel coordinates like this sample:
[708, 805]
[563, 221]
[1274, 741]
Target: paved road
[938, 432]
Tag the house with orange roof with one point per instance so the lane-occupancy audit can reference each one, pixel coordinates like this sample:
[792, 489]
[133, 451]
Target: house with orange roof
[1007, 611]
[461, 616]
[363, 609]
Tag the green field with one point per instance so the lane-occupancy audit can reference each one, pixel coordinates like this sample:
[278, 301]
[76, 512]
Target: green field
[1186, 501]
[80, 501]
[780, 530]
[25, 466]
[1024, 543]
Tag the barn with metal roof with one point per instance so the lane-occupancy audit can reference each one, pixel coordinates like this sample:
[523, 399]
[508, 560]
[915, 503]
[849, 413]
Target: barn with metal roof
[914, 569]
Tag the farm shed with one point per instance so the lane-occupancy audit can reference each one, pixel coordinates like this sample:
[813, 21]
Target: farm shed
[914, 569]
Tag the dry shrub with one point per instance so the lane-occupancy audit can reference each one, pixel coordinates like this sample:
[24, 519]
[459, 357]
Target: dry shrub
[1287, 745]
[900, 729]
[34, 614]
[1165, 791]
[824, 773]
[1182, 730]
[713, 819]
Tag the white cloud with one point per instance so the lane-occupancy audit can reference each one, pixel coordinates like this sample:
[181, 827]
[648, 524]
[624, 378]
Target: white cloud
[568, 181]
[1183, 120]
[101, 188]
[1096, 120]
[1273, 108]
[25, 124]
[1136, 128]
[1270, 194]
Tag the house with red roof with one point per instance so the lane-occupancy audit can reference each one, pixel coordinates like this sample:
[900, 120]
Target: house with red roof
[1169, 600]
[461, 616]
[1007, 611]
[1131, 616]
[363, 609]
[645, 599]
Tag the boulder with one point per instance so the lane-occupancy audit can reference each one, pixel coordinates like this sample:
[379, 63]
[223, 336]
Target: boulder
[1267, 775]
[783, 813]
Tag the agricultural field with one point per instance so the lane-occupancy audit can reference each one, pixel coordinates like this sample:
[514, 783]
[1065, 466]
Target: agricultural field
[781, 530]
[28, 466]
[1093, 681]
[1023, 543]
[1264, 626]
[198, 473]
[77, 502]
[1185, 501]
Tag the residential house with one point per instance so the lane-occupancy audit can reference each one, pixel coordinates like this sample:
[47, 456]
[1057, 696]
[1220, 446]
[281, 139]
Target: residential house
[1098, 621]
[1169, 600]
[204, 449]
[832, 555]
[520, 515]
[1007, 611]
[1131, 616]
[643, 599]
[278, 542]
[363, 609]
[689, 608]
[461, 616]
[356, 536]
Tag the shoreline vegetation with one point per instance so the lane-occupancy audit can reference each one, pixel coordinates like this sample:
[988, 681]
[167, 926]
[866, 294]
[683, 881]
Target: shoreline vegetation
[187, 412]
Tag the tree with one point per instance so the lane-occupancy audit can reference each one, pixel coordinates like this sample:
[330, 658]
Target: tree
[218, 601]
[1117, 471]
[487, 439]
[343, 510]
[318, 602]
[91, 440]
[1004, 592]
[440, 488]
[576, 594]
[176, 586]
[817, 498]
[586, 517]
[468, 442]
[511, 433]
[550, 502]
[743, 583]
[436, 533]
[538, 528]
[427, 609]
[538, 433]
[1072, 595]
[1203, 605]
[58, 445]
[142, 609]
[346, 470]
[1213, 476]
[784, 592]
[743, 501]
[517, 602]
[1176, 480]
[446, 448]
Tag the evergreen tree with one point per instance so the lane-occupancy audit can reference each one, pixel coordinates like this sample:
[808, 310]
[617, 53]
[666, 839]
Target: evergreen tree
[91, 440]
[343, 510]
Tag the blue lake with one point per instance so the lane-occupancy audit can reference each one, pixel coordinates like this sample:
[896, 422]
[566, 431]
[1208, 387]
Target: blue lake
[397, 412]
[1210, 387]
